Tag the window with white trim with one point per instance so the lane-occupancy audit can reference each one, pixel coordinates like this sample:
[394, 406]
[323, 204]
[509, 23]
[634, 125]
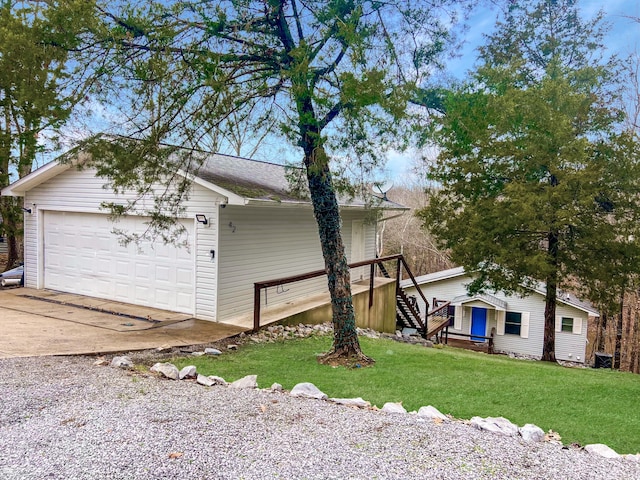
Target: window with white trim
[513, 323]
[566, 324]
[569, 324]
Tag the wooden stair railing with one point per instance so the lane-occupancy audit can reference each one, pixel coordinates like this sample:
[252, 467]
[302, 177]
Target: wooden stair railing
[437, 320]
[407, 314]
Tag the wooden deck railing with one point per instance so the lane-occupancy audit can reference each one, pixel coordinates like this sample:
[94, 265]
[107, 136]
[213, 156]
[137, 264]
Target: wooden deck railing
[490, 345]
[259, 286]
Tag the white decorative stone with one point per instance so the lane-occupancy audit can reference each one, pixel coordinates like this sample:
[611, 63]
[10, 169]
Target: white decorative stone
[121, 362]
[276, 387]
[250, 381]
[212, 351]
[601, 450]
[217, 380]
[496, 425]
[432, 412]
[168, 370]
[188, 372]
[392, 407]
[232, 347]
[632, 457]
[531, 433]
[308, 390]
[204, 380]
[351, 402]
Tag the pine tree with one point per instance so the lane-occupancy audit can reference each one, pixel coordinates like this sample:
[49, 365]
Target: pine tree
[538, 182]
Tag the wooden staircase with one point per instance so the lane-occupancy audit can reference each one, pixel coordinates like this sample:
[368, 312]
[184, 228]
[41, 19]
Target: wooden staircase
[408, 313]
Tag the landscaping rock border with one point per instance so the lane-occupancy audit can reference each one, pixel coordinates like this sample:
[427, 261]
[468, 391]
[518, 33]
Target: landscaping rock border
[272, 333]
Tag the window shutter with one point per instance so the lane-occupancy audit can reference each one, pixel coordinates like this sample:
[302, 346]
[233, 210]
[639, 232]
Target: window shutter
[500, 316]
[524, 325]
[457, 318]
[558, 323]
[577, 326]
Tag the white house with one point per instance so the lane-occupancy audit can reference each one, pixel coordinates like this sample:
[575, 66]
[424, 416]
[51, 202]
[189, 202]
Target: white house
[255, 230]
[518, 321]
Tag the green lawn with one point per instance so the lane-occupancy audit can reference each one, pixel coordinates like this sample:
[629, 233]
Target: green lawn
[583, 405]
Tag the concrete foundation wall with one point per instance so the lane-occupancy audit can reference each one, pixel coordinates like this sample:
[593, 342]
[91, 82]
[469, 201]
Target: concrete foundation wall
[380, 317]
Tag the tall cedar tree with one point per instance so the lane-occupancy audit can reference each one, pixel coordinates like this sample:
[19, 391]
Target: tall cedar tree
[338, 73]
[537, 181]
[38, 88]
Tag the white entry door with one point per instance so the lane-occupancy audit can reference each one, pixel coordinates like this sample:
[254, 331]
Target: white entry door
[82, 256]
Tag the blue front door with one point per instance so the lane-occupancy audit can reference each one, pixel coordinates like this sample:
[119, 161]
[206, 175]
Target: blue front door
[478, 323]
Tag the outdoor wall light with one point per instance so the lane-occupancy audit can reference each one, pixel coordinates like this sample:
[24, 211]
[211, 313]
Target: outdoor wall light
[202, 219]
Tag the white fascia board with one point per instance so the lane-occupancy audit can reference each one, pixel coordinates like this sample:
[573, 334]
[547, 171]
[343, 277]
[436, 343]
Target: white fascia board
[257, 202]
[578, 307]
[569, 303]
[436, 276]
[35, 178]
[232, 198]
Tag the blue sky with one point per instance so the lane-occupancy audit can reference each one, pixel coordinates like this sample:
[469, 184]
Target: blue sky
[623, 39]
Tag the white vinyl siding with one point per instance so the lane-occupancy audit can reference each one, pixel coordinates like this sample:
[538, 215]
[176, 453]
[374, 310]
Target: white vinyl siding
[268, 242]
[527, 342]
[81, 191]
[570, 345]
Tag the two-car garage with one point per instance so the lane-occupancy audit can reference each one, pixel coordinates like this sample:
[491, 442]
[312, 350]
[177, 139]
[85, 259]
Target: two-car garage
[81, 255]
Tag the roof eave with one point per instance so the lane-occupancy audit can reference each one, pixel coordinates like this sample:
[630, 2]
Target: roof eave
[35, 178]
[230, 197]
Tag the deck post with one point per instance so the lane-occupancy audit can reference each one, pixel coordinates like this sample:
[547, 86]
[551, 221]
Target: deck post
[256, 307]
[372, 272]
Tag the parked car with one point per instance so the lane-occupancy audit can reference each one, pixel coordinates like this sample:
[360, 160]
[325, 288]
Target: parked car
[15, 276]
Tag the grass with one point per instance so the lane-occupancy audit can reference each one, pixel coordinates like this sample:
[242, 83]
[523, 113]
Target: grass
[582, 405]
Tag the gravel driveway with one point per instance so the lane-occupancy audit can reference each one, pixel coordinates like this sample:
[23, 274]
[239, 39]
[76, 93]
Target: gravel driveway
[63, 418]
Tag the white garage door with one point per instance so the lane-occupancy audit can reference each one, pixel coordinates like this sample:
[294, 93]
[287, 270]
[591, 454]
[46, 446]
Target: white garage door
[82, 256]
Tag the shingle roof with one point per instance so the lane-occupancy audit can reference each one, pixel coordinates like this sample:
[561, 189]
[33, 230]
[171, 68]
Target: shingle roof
[252, 180]
[264, 181]
[248, 178]
[563, 297]
[484, 297]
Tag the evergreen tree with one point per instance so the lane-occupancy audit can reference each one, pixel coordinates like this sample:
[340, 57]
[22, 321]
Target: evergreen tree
[538, 182]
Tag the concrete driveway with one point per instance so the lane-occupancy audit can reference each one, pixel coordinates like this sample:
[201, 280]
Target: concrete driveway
[42, 322]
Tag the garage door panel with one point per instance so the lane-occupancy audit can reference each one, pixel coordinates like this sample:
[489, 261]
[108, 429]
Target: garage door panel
[82, 256]
[184, 278]
[163, 274]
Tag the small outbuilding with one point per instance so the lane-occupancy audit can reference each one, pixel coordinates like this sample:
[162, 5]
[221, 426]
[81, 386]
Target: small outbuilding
[518, 322]
[242, 224]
